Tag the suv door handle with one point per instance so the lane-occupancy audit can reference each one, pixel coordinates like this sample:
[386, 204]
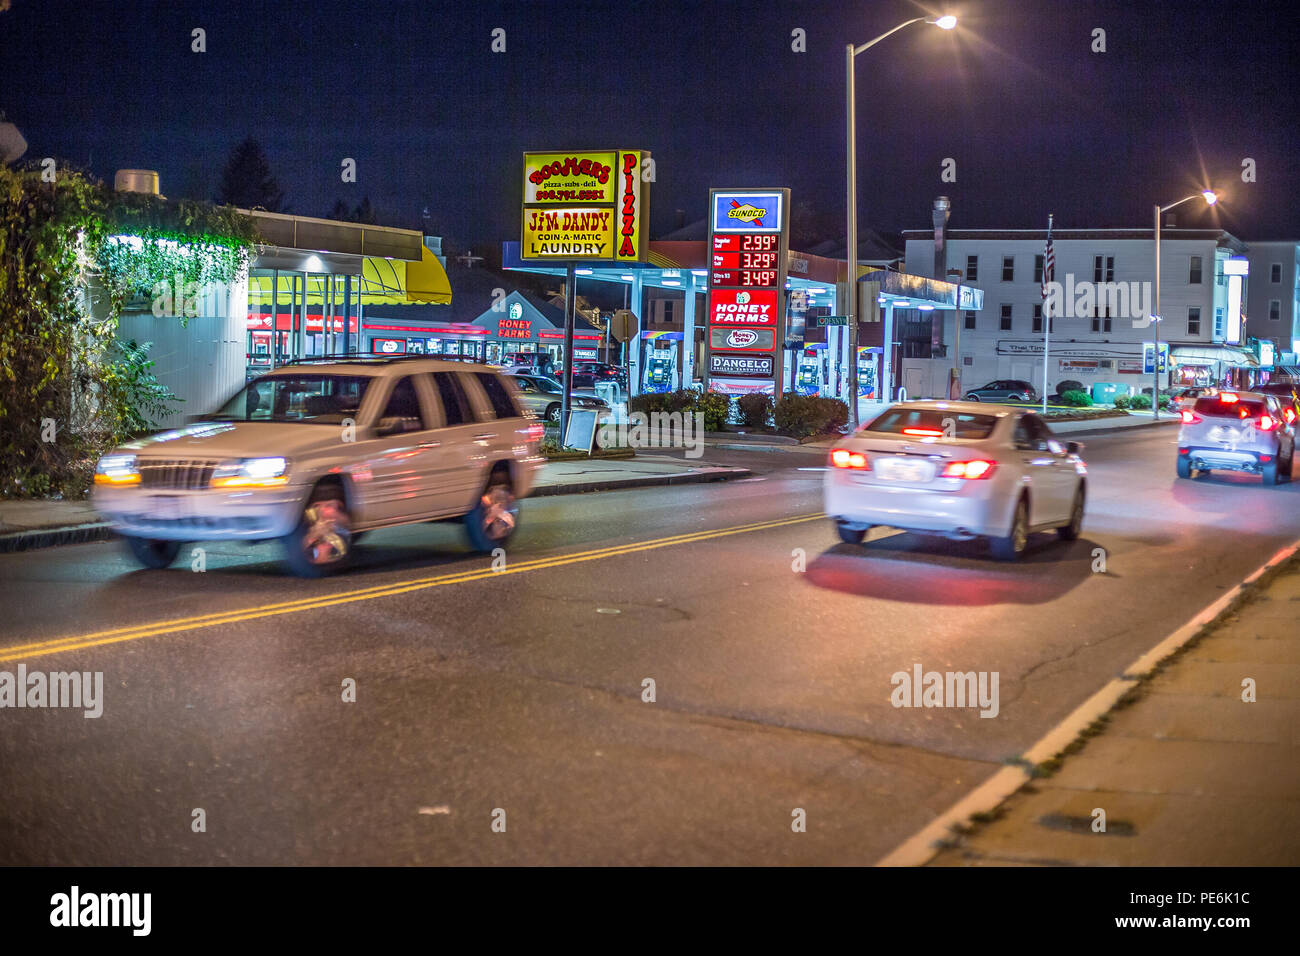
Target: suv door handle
[484, 437]
[429, 444]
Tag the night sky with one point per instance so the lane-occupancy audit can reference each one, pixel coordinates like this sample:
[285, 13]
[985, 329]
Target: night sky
[1036, 122]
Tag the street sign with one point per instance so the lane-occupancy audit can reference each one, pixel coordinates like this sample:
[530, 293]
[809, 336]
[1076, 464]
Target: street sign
[832, 319]
[1147, 360]
[622, 325]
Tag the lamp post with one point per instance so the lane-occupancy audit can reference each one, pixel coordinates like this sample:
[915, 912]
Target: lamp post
[850, 51]
[1210, 198]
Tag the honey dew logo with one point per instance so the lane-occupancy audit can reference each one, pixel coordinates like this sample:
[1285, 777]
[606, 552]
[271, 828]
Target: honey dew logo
[741, 338]
[748, 213]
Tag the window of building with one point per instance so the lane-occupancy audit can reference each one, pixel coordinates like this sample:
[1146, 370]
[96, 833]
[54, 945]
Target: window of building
[1005, 321]
[1194, 320]
[972, 268]
[1103, 268]
[1038, 269]
[1038, 318]
[1008, 268]
[970, 320]
[1218, 323]
[1194, 272]
[1105, 325]
[1275, 273]
[1275, 310]
[1096, 324]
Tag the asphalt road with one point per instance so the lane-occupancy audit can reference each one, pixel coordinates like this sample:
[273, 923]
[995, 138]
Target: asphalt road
[522, 691]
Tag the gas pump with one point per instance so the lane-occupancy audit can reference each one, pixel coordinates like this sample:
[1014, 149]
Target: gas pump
[659, 370]
[807, 379]
[866, 373]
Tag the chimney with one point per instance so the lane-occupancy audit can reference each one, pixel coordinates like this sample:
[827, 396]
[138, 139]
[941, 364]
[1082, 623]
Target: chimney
[136, 181]
[939, 215]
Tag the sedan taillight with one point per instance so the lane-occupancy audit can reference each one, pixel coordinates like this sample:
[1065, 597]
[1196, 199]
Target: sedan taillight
[979, 468]
[843, 458]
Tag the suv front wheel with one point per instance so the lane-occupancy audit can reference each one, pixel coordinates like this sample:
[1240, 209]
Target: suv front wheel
[322, 542]
[153, 552]
[495, 515]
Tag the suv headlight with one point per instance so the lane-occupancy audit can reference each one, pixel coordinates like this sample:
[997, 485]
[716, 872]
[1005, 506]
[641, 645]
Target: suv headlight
[117, 470]
[251, 473]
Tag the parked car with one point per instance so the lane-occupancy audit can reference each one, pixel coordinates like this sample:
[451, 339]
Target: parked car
[314, 454]
[543, 396]
[1004, 390]
[957, 469]
[590, 374]
[1236, 431]
[533, 363]
[1287, 395]
[1186, 396]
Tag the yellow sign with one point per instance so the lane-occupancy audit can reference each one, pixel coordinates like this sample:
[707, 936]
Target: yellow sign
[570, 233]
[746, 213]
[584, 205]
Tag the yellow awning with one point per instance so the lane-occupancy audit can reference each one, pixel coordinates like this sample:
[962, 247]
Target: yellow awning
[382, 281]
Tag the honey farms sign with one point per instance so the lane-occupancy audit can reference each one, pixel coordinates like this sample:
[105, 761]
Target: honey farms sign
[584, 206]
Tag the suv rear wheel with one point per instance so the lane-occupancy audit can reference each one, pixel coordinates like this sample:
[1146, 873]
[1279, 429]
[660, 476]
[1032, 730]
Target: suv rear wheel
[1271, 473]
[322, 542]
[495, 515]
[1184, 466]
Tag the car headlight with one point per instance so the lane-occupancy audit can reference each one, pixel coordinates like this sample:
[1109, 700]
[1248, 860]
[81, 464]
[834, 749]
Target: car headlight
[117, 470]
[250, 473]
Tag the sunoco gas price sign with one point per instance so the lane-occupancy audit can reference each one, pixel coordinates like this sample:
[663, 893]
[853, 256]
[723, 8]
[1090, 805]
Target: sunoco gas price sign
[748, 250]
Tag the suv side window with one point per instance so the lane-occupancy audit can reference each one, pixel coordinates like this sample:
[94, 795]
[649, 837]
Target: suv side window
[502, 404]
[404, 403]
[455, 403]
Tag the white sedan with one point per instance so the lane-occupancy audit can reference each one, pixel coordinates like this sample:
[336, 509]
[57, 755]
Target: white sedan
[959, 469]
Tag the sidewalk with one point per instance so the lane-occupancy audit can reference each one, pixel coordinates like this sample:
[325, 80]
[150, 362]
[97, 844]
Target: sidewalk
[1188, 773]
[25, 525]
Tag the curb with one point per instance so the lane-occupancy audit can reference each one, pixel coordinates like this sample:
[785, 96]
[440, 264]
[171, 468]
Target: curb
[1118, 430]
[16, 541]
[690, 478]
[922, 846]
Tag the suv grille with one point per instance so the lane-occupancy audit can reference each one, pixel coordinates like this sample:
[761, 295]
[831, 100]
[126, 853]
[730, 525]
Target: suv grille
[176, 474]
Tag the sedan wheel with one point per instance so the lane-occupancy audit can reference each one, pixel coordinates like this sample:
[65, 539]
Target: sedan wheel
[553, 414]
[1071, 531]
[972, 398]
[1012, 546]
[322, 542]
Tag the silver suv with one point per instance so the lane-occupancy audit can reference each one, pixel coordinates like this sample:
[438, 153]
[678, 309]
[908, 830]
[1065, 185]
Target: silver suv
[314, 454]
[1236, 431]
[1004, 390]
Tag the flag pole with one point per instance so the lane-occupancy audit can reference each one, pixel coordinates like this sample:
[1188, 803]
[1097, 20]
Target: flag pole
[1047, 310]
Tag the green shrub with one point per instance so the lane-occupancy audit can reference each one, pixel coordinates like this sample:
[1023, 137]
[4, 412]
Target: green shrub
[1164, 401]
[803, 415]
[715, 408]
[755, 410]
[1140, 401]
[1122, 401]
[1077, 398]
[1069, 385]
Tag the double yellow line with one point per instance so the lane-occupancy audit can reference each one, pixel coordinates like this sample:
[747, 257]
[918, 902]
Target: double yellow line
[117, 635]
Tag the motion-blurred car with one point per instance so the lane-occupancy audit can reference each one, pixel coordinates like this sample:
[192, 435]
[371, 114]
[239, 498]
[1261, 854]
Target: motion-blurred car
[1288, 397]
[314, 454]
[1004, 390]
[957, 469]
[1236, 431]
[1186, 396]
[591, 374]
[543, 396]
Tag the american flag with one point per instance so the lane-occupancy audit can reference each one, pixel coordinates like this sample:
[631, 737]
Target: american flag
[1049, 260]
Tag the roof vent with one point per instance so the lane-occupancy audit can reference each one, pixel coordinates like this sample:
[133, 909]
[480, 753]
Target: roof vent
[136, 181]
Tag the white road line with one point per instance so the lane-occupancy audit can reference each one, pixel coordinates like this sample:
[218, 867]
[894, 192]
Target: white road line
[920, 847]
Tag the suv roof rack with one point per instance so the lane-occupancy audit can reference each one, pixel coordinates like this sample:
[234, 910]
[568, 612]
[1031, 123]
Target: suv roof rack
[374, 359]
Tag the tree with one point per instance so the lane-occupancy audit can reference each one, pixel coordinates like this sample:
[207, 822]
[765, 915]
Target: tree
[362, 212]
[246, 180]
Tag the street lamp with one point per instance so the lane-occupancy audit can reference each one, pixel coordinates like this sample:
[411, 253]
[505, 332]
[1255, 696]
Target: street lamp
[1210, 197]
[850, 51]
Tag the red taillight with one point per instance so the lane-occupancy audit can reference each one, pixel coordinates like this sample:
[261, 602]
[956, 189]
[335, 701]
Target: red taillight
[1190, 418]
[1267, 423]
[536, 431]
[1289, 415]
[843, 458]
[979, 468]
[1228, 397]
[924, 432]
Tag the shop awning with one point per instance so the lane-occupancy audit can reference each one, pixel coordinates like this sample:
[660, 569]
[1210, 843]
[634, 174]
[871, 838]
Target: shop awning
[1208, 355]
[1290, 371]
[383, 282]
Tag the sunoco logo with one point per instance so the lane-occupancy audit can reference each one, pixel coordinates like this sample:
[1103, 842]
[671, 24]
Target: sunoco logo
[741, 338]
[746, 213]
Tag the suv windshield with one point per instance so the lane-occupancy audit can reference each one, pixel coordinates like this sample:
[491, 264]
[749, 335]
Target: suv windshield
[1221, 409]
[315, 398]
[933, 423]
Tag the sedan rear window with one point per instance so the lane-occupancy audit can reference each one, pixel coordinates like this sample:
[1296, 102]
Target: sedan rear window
[933, 423]
[1221, 409]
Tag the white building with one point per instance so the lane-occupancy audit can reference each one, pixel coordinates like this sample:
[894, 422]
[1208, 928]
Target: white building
[1273, 300]
[1103, 304]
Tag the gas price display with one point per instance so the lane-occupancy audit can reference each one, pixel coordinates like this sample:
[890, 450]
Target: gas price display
[749, 261]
